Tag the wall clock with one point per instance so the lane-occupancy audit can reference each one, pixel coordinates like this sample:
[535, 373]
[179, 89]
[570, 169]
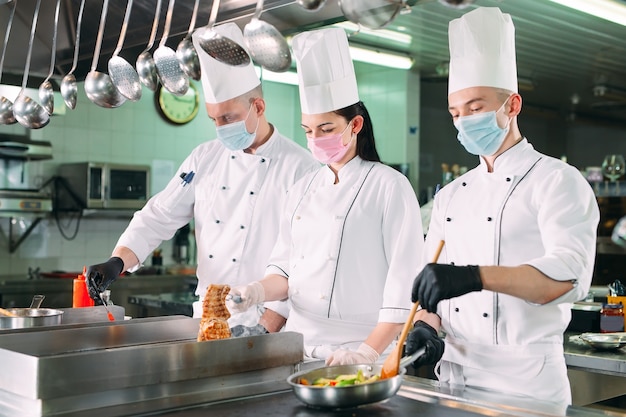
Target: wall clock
[177, 109]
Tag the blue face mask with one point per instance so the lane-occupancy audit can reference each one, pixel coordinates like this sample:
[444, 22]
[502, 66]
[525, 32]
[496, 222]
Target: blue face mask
[235, 136]
[480, 133]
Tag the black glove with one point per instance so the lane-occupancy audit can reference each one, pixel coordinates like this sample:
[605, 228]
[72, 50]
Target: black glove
[439, 282]
[423, 335]
[100, 276]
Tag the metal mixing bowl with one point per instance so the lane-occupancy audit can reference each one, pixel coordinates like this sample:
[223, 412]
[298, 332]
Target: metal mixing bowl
[605, 341]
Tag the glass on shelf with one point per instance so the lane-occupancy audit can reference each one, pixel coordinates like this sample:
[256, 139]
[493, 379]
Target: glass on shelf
[613, 167]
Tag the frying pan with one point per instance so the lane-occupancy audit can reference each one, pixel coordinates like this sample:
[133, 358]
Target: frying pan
[31, 317]
[351, 395]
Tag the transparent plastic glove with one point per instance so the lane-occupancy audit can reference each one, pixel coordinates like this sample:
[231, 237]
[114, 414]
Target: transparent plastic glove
[243, 297]
[364, 354]
[244, 331]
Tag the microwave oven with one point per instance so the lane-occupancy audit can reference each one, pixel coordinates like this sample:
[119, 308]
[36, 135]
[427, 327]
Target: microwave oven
[98, 185]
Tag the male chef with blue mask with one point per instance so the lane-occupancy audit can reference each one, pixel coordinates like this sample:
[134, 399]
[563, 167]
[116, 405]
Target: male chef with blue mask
[232, 187]
[519, 232]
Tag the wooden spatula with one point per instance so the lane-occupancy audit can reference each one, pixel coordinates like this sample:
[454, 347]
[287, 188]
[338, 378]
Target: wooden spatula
[392, 363]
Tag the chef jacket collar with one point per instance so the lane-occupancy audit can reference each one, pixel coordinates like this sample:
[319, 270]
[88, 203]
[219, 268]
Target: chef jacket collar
[351, 166]
[510, 160]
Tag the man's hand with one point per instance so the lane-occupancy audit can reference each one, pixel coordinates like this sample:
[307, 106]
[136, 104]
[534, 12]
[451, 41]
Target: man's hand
[439, 282]
[243, 297]
[100, 276]
[423, 335]
[364, 354]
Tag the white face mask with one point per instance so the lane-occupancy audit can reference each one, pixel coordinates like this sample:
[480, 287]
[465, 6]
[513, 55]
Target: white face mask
[480, 133]
[235, 136]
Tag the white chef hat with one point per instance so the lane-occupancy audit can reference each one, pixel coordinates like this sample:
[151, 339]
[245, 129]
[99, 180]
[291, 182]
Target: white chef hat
[220, 81]
[326, 76]
[482, 50]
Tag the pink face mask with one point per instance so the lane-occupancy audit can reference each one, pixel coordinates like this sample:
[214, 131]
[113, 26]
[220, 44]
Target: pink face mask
[330, 148]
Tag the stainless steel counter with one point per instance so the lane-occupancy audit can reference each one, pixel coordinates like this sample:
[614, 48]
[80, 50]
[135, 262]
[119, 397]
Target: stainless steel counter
[595, 375]
[417, 397]
[579, 355]
[136, 366]
[155, 367]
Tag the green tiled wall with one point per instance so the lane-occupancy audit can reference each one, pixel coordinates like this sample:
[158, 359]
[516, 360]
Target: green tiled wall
[134, 133]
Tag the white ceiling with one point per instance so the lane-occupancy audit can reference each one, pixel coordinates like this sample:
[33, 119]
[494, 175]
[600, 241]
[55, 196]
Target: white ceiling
[562, 52]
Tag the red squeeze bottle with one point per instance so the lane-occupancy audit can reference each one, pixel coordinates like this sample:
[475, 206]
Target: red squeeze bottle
[81, 296]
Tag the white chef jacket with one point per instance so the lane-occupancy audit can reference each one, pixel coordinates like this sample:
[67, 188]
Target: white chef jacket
[350, 251]
[235, 199]
[535, 210]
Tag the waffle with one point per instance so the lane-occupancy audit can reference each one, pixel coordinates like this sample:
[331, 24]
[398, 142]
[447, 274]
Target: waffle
[213, 324]
[213, 329]
[214, 303]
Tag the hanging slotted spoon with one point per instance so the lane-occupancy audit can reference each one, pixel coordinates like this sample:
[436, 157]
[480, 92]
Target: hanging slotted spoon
[265, 43]
[220, 47]
[26, 110]
[167, 65]
[6, 106]
[124, 76]
[145, 64]
[98, 85]
[68, 84]
[186, 53]
[46, 93]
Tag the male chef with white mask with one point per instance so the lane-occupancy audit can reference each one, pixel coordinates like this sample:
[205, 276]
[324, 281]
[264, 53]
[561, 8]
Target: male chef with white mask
[232, 187]
[519, 232]
[351, 233]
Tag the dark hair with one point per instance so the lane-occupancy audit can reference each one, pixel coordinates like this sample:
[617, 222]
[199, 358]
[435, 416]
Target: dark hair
[365, 144]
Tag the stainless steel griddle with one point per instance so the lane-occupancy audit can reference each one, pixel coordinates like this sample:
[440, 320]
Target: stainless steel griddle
[136, 367]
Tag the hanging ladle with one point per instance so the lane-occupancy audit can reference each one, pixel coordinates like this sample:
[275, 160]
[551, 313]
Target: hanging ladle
[98, 86]
[124, 76]
[26, 110]
[265, 43]
[69, 88]
[220, 47]
[167, 65]
[6, 106]
[46, 93]
[186, 53]
[145, 64]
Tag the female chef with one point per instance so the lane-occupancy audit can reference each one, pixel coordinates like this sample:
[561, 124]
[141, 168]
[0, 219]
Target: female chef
[351, 235]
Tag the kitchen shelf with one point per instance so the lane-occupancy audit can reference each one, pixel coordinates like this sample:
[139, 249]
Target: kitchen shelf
[609, 189]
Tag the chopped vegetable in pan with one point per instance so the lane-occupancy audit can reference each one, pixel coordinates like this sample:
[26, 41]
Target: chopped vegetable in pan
[342, 380]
